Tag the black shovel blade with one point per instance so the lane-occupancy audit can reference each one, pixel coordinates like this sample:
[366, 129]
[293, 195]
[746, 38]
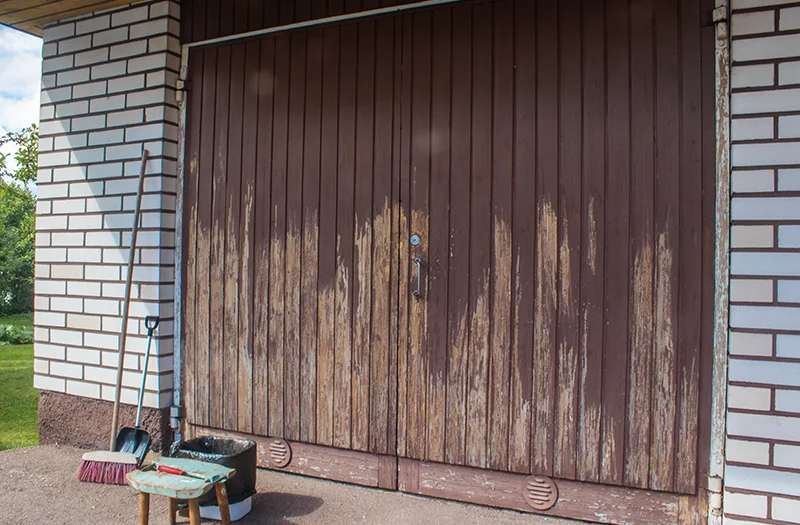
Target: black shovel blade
[133, 441]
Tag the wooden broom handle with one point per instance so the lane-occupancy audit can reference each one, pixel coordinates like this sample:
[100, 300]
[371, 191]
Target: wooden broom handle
[127, 299]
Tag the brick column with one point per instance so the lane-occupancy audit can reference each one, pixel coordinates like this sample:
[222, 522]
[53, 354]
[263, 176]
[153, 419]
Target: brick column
[107, 92]
[762, 475]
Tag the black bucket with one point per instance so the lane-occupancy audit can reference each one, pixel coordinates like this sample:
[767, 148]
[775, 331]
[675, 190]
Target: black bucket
[239, 454]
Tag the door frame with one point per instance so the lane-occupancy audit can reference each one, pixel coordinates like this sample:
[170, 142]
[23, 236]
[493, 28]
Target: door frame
[412, 476]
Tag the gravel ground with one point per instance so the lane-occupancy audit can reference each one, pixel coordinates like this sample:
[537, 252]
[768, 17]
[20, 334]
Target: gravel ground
[38, 487]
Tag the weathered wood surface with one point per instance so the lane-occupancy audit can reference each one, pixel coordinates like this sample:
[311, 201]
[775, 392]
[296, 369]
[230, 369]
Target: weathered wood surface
[349, 466]
[577, 500]
[552, 158]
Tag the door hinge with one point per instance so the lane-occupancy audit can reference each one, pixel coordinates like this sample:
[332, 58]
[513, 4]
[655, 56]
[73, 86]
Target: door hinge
[710, 18]
[715, 495]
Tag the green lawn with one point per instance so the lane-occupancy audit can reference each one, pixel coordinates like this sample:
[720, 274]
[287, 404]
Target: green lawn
[18, 398]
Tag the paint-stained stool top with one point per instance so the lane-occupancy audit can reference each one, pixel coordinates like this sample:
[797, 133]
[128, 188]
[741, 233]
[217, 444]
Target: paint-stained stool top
[180, 487]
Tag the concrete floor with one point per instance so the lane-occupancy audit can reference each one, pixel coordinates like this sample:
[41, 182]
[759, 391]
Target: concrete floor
[38, 487]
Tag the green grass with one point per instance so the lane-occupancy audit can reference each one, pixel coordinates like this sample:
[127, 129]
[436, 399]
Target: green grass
[20, 320]
[18, 399]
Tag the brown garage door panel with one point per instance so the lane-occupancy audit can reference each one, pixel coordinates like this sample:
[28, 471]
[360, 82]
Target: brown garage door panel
[553, 168]
[289, 234]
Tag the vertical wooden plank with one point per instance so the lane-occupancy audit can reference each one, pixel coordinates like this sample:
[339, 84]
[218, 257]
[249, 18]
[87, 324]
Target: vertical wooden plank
[302, 10]
[637, 448]
[294, 232]
[261, 284]
[381, 238]
[240, 15]
[217, 274]
[404, 215]
[198, 30]
[439, 242]
[191, 202]
[420, 101]
[226, 15]
[616, 257]
[212, 19]
[502, 228]
[569, 238]
[691, 249]
[342, 415]
[246, 233]
[255, 15]
[327, 236]
[592, 243]
[396, 284]
[480, 230]
[544, 361]
[459, 261]
[277, 267]
[523, 235]
[232, 246]
[187, 24]
[319, 9]
[310, 255]
[286, 10]
[667, 227]
[204, 173]
[362, 250]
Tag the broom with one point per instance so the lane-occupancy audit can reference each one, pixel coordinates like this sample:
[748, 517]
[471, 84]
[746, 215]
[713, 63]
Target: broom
[111, 467]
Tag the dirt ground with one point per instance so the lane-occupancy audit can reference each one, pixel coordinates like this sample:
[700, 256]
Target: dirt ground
[38, 487]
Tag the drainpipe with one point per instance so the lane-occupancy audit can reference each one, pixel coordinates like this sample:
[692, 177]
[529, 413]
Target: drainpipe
[722, 61]
[177, 397]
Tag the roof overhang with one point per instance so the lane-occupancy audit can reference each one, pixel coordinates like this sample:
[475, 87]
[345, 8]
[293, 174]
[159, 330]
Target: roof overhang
[30, 16]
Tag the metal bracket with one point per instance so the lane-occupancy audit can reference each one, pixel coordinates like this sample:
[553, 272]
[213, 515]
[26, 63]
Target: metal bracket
[181, 86]
[715, 495]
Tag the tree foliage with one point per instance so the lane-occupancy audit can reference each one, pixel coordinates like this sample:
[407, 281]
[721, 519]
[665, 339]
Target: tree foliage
[18, 222]
[26, 155]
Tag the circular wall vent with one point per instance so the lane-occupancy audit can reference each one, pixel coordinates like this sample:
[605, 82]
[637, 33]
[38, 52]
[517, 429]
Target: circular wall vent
[279, 453]
[540, 492]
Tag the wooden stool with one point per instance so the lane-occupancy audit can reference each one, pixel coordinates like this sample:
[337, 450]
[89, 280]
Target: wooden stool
[177, 487]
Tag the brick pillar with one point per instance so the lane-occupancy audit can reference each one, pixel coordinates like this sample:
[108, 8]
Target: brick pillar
[762, 474]
[108, 84]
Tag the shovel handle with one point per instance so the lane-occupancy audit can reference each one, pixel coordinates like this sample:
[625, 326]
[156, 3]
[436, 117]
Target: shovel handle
[151, 322]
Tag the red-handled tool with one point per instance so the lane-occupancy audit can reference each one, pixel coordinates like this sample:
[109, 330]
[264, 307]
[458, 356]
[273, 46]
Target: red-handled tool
[178, 472]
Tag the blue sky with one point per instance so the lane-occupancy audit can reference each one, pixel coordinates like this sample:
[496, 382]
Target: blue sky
[20, 69]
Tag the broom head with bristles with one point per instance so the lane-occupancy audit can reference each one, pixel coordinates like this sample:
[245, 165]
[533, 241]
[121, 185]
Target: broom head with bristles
[110, 468]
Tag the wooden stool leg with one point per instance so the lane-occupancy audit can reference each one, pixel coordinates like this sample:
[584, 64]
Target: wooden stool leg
[194, 512]
[144, 508]
[173, 511]
[222, 501]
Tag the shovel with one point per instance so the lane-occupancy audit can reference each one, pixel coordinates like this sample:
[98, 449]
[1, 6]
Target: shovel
[136, 440]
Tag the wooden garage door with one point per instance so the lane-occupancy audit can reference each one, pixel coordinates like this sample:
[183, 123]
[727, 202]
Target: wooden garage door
[554, 160]
[289, 231]
[552, 167]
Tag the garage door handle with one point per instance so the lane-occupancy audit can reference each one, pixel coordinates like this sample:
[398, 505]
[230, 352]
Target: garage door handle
[418, 292]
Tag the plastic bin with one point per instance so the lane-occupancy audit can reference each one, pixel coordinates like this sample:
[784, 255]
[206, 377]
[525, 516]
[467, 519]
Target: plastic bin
[239, 454]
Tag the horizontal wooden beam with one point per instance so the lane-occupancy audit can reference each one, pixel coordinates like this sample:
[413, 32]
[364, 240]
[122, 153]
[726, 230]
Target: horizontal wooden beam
[31, 15]
[348, 466]
[591, 502]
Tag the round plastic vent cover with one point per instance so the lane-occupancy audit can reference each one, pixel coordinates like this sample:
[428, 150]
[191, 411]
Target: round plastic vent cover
[540, 492]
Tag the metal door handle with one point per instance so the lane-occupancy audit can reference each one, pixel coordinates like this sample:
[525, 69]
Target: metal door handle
[418, 292]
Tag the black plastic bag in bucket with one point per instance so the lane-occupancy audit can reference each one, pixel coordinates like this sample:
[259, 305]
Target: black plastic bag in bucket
[239, 454]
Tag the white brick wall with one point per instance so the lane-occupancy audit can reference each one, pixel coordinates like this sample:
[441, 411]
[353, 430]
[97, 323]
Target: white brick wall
[107, 93]
[762, 475]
